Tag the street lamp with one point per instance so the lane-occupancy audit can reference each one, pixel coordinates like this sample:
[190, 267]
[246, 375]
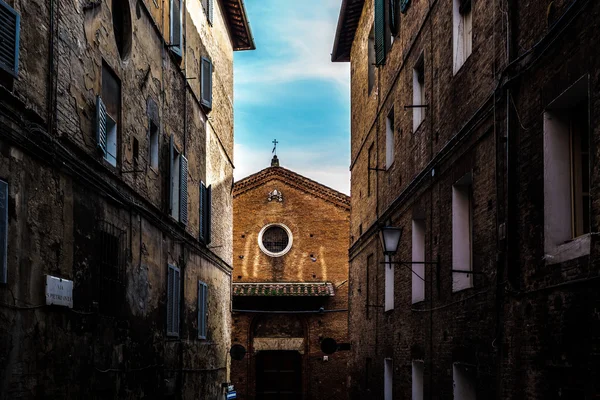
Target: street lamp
[390, 239]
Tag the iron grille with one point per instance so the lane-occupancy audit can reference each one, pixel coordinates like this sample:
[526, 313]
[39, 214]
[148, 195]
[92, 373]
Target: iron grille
[110, 267]
[275, 239]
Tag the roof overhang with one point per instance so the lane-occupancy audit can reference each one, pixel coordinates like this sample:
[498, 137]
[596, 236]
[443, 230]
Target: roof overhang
[273, 289]
[239, 27]
[346, 29]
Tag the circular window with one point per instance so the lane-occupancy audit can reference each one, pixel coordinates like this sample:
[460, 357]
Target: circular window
[275, 240]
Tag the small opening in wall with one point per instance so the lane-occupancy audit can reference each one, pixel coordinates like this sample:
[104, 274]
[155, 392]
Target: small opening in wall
[243, 236]
[121, 16]
[239, 277]
[314, 276]
[311, 235]
[136, 149]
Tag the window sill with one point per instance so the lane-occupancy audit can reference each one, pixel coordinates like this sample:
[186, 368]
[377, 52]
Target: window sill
[578, 247]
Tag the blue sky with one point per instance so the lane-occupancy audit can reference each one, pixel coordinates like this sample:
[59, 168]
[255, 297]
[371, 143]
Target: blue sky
[288, 89]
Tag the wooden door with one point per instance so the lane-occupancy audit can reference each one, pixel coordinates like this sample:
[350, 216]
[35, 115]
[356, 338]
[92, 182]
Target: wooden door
[279, 375]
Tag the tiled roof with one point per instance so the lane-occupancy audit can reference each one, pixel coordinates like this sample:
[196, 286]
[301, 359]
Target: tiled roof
[312, 289]
[346, 29]
[239, 27]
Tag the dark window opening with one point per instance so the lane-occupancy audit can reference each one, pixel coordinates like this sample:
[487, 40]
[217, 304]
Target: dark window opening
[136, 150]
[121, 18]
[111, 97]
[275, 239]
[109, 269]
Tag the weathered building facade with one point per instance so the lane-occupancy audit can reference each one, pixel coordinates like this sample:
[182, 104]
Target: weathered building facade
[116, 141]
[473, 131]
[290, 286]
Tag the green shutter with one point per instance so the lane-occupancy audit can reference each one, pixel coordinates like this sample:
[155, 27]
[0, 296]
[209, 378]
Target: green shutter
[202, 309]
[208, 216]
[101, 125]
[380, 50]
[201, 212]
[10, 26]
[171, 167]
[206, 82]
[183, 190]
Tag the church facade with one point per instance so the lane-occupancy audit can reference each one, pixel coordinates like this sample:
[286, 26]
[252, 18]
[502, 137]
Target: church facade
[290, 287]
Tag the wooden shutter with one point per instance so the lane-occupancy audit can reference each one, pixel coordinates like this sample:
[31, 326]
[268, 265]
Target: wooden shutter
[10, 23]
[183, 189]
[176, 27]
[380, 49]
[3, 231]
[202, 309]
[171, 168]
[206, 82]
[101, 125]
[173, 301]
[201, 211]
[211, 11]
[208, 216]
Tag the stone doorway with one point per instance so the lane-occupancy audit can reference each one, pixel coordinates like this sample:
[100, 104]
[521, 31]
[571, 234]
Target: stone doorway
[278, 375]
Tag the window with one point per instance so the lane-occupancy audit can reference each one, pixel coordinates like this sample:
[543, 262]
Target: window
[121, 18]
[389, 139]
[206, 83]
[9, 45]
[173, 300]
[464, 376]
[108, 114]
[418, 93]
[394, 18]
[176, 28]
[388, 378]
[367, 285]
[371, 60]
[109, 267]
[418, 254]
[389, 285]
[205, 213]
[275, 240]
[208, 7]
[381, 37]
[178, 185]
[202, 310]
[3, 231]
[417, 380]
[567, 173]
[462, 32]
[369, 166]
[462, 215]
[153, 145]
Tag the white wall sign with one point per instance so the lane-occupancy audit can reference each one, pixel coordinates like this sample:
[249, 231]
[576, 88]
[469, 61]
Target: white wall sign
[59, 291]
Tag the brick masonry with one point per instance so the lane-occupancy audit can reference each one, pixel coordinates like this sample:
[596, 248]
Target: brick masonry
[318, 218]
[60, 187]
[519, 323]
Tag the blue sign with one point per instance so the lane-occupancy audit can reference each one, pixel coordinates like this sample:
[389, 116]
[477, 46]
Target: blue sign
[231, 395]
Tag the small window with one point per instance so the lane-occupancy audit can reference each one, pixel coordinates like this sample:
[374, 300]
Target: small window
[206, 89]
[275, 240]
[388, 379]
[208, 7]
[108, 113]
[567, 172]
[464, 377]
[418, 93]
[109, 267]
[389, 139]
[462, 233]
[153, 145]
[371, 60]
[3, 231]
[417, 380]
[205, 213]
[202, 310]
[369, 272]
[9, 45]
[176, 28]
[462, 33]
[121, 18]
[370, 165]
[394, 18]
[418, 254]
[389, 285]
[173, 300]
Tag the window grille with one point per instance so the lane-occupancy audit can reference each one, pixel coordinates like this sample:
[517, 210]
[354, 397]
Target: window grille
[110, 267]
[275, 239]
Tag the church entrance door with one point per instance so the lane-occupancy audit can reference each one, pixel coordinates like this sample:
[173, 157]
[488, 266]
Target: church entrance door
[278, 375]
